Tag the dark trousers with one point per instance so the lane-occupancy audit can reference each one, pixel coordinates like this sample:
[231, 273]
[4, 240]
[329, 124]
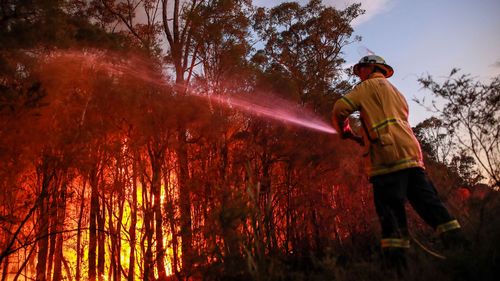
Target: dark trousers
[390, 193]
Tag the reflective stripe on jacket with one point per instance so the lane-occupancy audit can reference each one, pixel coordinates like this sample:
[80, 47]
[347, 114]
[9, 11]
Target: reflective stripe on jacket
[388, 136]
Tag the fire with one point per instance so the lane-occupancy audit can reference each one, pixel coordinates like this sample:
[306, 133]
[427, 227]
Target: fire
[74, 259]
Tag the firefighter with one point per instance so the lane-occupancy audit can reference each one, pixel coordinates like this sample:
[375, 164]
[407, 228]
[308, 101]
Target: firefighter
[396, 168]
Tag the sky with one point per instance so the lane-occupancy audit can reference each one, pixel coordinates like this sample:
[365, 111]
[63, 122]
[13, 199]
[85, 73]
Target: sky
[425, 37]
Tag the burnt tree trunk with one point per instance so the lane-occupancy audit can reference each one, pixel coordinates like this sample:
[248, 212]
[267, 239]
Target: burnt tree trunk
[5, 269]
[101, 239]
[61, 216]
[47, 174]
[180, 39]
[94, 211]
[147, 239]
[133, 222]
[52, 230]
[117, 244]
[156, 156]
[170, 217]
[185, 203]
[112, 236]
[79, 250]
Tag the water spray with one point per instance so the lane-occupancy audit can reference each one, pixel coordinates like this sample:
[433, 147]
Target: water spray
[264, 105]
[276, 109]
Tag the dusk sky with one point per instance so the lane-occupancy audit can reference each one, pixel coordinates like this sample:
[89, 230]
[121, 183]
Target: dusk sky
[425, 37]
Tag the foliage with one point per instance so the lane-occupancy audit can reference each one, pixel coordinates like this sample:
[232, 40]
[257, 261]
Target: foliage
[304, 44]
[438, 145]
[471, 116]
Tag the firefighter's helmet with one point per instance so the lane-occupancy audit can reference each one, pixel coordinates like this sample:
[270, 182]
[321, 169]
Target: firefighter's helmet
[375, 60]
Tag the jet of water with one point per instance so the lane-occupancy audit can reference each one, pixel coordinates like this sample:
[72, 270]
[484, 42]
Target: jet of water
[267, 106]
[277, 109]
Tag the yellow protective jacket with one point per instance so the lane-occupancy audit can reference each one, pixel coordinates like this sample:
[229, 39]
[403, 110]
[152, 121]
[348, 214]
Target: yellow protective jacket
[390, 141]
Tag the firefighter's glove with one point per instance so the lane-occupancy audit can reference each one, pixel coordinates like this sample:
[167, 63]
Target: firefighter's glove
[349, 135]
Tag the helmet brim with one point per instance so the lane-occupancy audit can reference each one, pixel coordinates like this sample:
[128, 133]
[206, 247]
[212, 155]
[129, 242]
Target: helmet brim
[387, 68]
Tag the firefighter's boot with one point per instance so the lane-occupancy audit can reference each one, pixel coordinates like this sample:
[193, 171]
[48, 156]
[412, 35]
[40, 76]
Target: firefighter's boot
[452, 236]
[394, 254]
[454, 240]
[394, 261]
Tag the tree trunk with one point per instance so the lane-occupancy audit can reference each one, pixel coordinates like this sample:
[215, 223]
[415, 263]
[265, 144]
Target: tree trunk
[5, 269]
[58, 258]
[185, 203]
[61, 216]
[133, 222]
[101, 239]
[118, 244]
[156, 158]
[67, 268]
[170, 216]
[43, 229]
[43, 243]
[94, 210]
[148, 234]
[52, 233]
[266, 196]
[288, 206]
[79, 251]
[113, 238]
[179, 48]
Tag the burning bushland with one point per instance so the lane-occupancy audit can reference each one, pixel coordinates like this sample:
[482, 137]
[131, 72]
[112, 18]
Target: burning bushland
[123, 158]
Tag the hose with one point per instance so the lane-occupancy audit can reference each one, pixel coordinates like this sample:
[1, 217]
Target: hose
[432, 253]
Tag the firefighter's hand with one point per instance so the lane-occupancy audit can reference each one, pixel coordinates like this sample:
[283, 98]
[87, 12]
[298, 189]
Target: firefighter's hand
[351, 136]
[358, 139]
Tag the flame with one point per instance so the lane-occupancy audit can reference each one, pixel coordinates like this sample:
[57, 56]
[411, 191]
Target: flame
[70, 252]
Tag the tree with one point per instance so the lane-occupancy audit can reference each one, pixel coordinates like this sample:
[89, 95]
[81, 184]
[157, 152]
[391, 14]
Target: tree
[434, 139]
[304, 43]
[471, 115]
[438, 146]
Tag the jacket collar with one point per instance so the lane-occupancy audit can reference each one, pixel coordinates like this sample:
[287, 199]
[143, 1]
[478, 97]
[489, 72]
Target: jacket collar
[376, 75]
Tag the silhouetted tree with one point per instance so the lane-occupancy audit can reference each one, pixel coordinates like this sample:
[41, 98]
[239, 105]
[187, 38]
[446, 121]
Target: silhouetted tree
[471, 114]
[304, 43]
